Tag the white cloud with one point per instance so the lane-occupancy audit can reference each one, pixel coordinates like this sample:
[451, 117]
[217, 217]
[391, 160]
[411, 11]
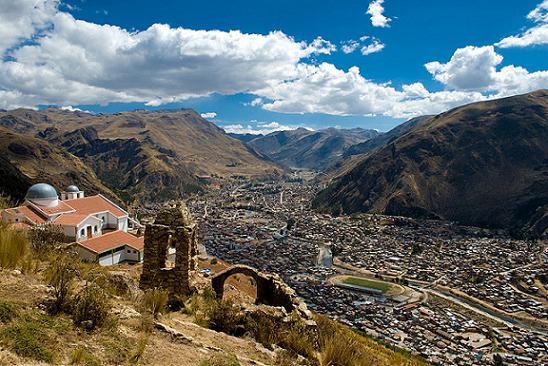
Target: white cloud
[536, 35]
[208, 115]
[20, 20]
[470, 68]
[70, 62]
[350, 46]
[76, 62]
[258, 128]
[255, 102]
[366, 44]
[376, 10]
[73, 109]
[540, 13]
[475, 69]
[374, 47]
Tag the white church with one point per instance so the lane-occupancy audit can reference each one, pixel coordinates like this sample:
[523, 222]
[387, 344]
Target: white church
[97, 226]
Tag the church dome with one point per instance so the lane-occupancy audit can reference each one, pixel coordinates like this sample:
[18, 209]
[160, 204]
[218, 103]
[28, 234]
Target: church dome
[72, 189]
[41, 191]
[42, 194]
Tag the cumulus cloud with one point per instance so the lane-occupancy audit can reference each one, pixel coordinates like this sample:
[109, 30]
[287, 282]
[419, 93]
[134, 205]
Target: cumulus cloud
[376, 10]
[470, 68]
[74, 61]
[20, 19]
[475, 69]
[54, 59]
[258, 128]
[208, 115]
[536, 35]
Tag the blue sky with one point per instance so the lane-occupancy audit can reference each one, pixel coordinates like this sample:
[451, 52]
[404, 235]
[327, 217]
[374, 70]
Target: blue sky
[414, 33]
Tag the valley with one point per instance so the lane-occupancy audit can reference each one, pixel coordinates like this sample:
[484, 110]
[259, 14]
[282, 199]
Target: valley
[475, 272]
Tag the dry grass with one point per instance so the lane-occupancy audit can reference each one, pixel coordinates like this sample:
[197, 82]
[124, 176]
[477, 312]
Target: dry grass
[340, 345]
[221, 360]
[155, 301]
[81, 356]
[14, 247]
[91, 307]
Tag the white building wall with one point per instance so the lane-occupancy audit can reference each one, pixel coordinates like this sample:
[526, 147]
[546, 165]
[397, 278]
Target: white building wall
[94, 223]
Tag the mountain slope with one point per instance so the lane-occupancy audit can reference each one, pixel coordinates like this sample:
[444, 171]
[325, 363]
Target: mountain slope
[26, 160]
[140, 152]
[382, 139]
[302, 148]
[484, 164]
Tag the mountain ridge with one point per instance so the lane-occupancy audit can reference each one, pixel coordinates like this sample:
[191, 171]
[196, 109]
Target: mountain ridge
[484, 164]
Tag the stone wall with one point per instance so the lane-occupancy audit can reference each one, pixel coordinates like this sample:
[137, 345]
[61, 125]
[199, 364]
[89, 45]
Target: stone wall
[271, 290]
[174, 228]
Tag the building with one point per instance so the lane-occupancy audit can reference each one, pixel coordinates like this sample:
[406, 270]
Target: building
[97, 226]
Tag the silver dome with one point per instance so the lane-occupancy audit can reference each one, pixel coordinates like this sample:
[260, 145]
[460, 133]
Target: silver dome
[72, 189]
[41, 191]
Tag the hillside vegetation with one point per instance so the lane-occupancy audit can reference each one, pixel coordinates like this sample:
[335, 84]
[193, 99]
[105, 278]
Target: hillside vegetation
[56, 309]
[484, 164]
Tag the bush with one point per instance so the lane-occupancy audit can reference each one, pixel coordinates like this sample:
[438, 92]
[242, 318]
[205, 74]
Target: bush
[155, 301]
[221, 360]
[60, 275]
[14, 247]
[47, 237]
[224, 317]
[91, 307]
[28, 339]
[81, 356]
[7, 312]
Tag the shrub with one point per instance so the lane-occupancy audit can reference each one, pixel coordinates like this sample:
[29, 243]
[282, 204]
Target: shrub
[27, 339]
[155, 301]
[47, 237]
[221, 360]
[7, 312]
[81, 356]
[224, 317]
[140, 349]
[60, 275]
[13, 247]
[91, 307]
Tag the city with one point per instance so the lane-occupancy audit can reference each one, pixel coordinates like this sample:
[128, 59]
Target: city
[480, 291]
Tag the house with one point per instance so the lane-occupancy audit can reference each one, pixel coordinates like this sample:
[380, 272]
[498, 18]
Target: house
[97, 226]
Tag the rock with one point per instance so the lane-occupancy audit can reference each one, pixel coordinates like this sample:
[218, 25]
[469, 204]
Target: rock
[126, 312]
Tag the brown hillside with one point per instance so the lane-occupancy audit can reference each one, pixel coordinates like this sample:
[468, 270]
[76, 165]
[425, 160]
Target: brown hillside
[484, 164]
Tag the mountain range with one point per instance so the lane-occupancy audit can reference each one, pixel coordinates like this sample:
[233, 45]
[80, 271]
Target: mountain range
[308, 149]
[483, 164]
[139, 152]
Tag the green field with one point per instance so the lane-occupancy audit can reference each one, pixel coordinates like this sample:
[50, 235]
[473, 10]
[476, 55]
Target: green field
[363, 282]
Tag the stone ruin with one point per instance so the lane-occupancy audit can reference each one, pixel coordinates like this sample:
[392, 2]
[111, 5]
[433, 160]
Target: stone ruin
[172, 231]
[271, 290]
[174, 228]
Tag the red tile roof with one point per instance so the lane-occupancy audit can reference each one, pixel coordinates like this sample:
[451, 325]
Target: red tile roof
[62, 207]
[95, 204]
[113, 240]
[30, 214]
[71, 219]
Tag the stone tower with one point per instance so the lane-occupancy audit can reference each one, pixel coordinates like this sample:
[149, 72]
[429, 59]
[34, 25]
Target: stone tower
[171, 238]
